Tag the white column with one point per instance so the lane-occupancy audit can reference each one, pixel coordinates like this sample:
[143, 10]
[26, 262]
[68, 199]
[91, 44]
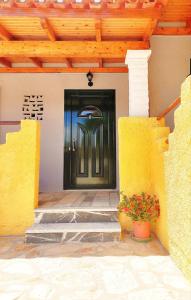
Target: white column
[137, 61]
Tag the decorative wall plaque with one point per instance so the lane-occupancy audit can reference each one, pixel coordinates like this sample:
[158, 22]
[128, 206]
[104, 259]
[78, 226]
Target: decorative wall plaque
[33, 107]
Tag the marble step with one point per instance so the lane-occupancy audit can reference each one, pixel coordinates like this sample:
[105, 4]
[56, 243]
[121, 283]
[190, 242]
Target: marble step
[73, 232]
[76, 215]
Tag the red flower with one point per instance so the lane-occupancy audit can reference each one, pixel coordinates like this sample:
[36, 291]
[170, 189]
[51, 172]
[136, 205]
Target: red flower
[125, 209]
[140, 206]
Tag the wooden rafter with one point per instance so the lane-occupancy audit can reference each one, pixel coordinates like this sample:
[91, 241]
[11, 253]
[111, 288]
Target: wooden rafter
[69, 49]
[167, 30]
[140, 4]
[150, 29]
[100, 62]
[4, 34]
[48, 29]
[68, 62]
[82, 13]
[36, 62]
[98, 30]
[5, 62]
[98, 38]
[64, 70]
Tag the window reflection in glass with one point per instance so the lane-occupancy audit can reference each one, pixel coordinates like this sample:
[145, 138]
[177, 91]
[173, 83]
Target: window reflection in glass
[90, 111]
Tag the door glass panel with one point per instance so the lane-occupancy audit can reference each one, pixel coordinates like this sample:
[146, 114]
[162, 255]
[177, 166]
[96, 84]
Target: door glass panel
[97, 151]
[82, 151]
[89, 112]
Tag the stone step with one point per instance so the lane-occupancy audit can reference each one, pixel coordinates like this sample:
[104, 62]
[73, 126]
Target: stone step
[73, 232]
[76, 215]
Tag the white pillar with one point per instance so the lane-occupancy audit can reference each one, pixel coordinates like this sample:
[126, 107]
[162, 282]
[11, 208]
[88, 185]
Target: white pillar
[137, 61]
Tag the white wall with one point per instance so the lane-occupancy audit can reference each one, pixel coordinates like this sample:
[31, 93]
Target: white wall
[15, 86]
[169, 66]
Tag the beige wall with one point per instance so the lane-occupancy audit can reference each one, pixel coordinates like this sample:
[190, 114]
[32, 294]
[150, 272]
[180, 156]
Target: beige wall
[169, 66]
[15, 86]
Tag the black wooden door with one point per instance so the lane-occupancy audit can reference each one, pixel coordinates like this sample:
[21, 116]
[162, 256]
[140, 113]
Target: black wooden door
[89, 152]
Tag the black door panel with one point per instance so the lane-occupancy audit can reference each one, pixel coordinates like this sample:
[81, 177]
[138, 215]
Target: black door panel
[89, 154]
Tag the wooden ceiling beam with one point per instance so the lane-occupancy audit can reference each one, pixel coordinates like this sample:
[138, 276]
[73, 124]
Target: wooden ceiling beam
[48, 29]
[188, 23]
[91, 60]
[64, 70]
[81, 13]
[4, 34]
[172, 31]
[80, 38]
[69, 49]
[5, 62]
[36, 62]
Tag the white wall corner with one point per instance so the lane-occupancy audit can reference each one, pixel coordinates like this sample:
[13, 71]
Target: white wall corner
[137, 61]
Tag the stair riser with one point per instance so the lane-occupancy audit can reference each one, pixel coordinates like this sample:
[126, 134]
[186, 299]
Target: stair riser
[77, 217]
[59, 237]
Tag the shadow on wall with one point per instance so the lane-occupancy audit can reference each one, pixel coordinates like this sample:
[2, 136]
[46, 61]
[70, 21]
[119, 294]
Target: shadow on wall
[5, 129]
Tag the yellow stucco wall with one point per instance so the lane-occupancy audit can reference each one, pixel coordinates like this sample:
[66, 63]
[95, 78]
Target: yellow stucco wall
[141, 164]
[178, 183]
[149, 164]
[19, 178]
[134, 158]
[159, 144]
[134, 154]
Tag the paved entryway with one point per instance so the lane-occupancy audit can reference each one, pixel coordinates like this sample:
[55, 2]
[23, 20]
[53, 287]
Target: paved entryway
[15, 247]
[79, 199]
[106, 271]
[81, 271]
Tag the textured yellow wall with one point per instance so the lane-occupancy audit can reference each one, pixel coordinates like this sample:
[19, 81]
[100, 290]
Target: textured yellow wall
[134, 154]
[159, 145]
[19, 178]
[178, 183]
[134, 158]
[141, 162]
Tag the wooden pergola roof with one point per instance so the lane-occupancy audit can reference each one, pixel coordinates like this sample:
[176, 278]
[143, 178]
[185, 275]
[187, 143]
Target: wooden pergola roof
[58, 35]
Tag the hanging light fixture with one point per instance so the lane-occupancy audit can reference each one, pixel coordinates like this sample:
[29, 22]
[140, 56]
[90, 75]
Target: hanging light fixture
[90, 78]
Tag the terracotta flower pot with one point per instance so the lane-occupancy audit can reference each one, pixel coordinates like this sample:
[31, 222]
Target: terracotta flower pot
[141, 229]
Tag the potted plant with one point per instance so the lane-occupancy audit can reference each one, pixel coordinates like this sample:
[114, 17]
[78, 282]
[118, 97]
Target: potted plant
[142, 209]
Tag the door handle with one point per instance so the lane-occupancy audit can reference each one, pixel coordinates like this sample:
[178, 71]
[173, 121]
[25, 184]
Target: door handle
[73, 145]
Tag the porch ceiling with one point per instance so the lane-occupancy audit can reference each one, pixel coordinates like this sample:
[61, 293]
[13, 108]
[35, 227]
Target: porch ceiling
[26, 25]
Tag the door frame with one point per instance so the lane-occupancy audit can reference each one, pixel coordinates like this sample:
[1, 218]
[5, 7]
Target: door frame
[67, 135]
